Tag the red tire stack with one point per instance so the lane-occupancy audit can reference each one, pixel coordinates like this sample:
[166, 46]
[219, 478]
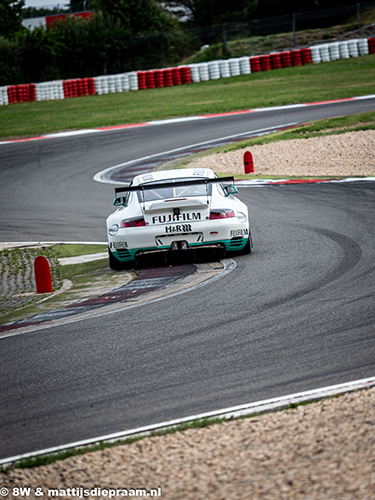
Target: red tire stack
[265, 62]
[91, 86]
[306, 56]
[371, 45]
[296, 57]
[150, 79]
[276, 60]
[159, 78]
[168, 78]
[32, 92]
[286, 60]
[185, 74]
[142, 85]
[255, 64]
[176, 73]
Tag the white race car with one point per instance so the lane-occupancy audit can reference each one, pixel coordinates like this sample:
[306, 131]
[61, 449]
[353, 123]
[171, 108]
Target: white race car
[176, 210]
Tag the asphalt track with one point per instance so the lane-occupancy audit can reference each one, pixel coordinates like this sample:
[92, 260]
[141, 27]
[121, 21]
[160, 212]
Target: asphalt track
[296, 314]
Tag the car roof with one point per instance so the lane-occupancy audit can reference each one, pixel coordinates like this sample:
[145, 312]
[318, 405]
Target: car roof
[174, 174]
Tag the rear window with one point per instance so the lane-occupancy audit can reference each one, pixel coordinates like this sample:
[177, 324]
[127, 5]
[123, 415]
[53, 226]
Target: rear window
[174, 192]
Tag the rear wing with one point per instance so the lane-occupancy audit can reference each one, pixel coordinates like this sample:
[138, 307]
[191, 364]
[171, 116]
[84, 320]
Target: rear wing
[158, 185]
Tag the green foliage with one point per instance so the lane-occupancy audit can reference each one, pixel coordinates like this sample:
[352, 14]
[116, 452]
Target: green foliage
[10, 17]
[210, 12]
[139, 17]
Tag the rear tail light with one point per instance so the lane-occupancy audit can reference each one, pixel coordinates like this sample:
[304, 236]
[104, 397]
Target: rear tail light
[224, 213]
[135, 222]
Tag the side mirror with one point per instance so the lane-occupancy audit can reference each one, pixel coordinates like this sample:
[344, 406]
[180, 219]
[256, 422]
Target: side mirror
[230, 190]
[120, 201]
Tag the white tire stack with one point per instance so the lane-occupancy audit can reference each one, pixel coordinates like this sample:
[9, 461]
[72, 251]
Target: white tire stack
[133, 80]
[214, 70]
[224, 68]
[353, 48]
[194, 72]
[203, 72]
[4, 96]
[334, 51]
[344, 50]
[245, 67]
[315, 54]
[234, 66]
[324, 53]
[363, 46]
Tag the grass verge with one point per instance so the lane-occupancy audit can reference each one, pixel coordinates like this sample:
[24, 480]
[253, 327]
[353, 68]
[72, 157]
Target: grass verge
[314, 82]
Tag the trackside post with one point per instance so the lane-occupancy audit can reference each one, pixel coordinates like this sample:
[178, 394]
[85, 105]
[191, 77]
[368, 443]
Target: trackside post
[248, 162]
[42, 275]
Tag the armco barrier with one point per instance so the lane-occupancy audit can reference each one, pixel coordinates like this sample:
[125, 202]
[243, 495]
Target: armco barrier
[194, 73]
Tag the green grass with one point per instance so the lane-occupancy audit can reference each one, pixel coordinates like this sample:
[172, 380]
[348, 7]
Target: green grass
[325, 81]
[67, 250]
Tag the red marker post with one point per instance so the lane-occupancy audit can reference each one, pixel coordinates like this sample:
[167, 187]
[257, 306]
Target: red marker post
[42, 275]
[248, 162]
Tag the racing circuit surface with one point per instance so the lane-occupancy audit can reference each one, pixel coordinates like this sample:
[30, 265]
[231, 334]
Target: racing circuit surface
[296, 314]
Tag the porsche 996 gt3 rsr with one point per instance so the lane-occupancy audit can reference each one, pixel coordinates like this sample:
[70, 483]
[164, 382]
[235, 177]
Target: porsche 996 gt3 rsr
[176, 210]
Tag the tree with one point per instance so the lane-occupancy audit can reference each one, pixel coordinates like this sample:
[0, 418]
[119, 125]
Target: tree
[206, 13]
[10, 16]
[139, 16]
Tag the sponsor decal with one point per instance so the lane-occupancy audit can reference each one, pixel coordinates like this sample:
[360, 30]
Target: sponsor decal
[239, 232]
[165, 219]
[118, 244]
[178, 228]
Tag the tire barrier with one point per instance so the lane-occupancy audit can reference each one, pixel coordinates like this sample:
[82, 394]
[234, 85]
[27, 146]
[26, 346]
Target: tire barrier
[255, 64]
[306, 56]
[296, 57]
[343, 50]
[224, 69]
[286, 60]
[193, 73]
[276, 60]
[265, 62]
[4, 96]
[214, 70]
[21, 93]
[234, 67]
[168, 78]
[245, 67]
[159, 78]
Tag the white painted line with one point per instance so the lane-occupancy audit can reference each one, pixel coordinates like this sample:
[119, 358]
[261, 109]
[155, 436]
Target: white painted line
[225, 413]
[101, 176]
[72, 133]
[176, 120]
